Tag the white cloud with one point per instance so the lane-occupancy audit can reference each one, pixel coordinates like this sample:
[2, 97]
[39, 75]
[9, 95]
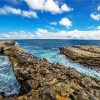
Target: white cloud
[7, 9]
[35, 4]
[10, 10]
[95, 16]
[98, 8]
[29, 14]
[51, 6]
[16, 35]
[53, 23]
[65, 7]
[65, 22]
[98, 27]
[45, 34]
[47, 5]
[39, 30]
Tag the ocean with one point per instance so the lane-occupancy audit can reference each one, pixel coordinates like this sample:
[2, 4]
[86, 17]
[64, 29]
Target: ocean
[43, 48]
[49, 49]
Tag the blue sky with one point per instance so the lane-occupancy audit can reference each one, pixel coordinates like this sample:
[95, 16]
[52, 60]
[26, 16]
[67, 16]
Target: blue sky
[78, 19]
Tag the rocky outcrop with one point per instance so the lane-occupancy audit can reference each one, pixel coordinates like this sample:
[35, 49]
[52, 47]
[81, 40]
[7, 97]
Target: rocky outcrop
[86, 55]
[5, 44]
[41, 80]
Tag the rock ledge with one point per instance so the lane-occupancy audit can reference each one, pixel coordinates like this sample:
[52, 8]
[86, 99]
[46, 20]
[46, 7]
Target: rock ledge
[87, 55]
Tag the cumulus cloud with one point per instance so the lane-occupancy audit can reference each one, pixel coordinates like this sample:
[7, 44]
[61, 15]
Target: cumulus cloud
[45, 34]
[10, 10]
[7, 9]
[51, 6]
[65, 22]
[48, 5]
[95, 16]
[75, 34]
[65, 7]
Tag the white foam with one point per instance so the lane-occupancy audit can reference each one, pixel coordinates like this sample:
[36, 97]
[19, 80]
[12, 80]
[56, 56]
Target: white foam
[8, 83]
[54, 56]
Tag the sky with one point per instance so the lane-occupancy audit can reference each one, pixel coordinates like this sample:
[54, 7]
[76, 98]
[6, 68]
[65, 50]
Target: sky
[50, 19]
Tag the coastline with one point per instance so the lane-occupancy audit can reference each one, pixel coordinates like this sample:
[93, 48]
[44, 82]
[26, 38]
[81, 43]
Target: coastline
[41, 80]
[87, 55]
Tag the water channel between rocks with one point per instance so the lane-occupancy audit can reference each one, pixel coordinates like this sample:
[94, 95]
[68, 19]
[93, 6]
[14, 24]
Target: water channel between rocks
[8, 82]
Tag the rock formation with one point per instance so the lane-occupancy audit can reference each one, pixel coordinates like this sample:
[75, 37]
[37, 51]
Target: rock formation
[86, 55]
[41, 80]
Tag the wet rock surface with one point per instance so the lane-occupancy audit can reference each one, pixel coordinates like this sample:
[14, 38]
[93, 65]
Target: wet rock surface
[41, 80]
[86, 55]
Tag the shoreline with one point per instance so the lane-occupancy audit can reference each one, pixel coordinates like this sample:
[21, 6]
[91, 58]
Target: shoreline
[88, 56]
[42, 80]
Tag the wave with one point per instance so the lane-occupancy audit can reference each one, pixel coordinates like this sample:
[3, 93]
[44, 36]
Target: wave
[53, 55]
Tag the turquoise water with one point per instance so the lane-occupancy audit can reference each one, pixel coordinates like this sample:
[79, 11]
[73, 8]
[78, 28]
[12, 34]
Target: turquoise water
[49, 49]
[54, 56]
[8, 83]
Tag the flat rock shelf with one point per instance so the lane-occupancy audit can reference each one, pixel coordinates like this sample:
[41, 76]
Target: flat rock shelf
[88, 55]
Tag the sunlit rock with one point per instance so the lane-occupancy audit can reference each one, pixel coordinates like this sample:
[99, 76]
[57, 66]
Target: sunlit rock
[41, 80]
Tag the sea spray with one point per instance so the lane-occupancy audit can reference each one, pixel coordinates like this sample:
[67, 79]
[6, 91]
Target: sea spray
[53, 55]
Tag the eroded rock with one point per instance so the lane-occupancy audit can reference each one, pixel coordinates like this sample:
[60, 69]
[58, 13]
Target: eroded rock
[86, 55]
[41, 80]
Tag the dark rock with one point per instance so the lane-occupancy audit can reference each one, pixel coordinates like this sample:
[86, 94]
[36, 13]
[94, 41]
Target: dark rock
[1, 50]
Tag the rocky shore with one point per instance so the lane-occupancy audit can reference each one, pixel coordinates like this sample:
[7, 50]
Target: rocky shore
[41, 80]
[86, 55]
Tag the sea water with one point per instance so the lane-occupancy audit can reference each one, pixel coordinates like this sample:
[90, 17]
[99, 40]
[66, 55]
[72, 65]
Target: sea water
[8, 82]
[49, 49]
